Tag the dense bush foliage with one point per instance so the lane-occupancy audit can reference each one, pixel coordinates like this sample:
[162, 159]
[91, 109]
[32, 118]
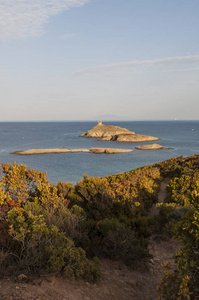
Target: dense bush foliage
[124, 198]
[183, 201]
[37, 228]
[56, 228]
[62, 228]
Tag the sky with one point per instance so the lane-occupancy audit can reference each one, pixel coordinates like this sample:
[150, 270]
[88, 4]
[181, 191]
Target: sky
[63, 60]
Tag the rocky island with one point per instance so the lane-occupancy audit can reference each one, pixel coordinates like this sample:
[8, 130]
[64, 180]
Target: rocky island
[47, 151]
[64, 150]
[109, 150]
[151, 147]
[116, 134]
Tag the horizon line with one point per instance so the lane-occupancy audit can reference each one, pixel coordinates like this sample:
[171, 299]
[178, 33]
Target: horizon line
[96, 120]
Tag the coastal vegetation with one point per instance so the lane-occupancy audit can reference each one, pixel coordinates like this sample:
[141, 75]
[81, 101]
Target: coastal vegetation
[181, 212]
[68, 229]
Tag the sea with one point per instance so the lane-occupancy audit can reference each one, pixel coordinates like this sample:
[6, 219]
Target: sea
[181, 136]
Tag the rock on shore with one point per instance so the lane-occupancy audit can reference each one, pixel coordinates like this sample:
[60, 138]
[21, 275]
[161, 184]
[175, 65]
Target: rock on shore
[116, 134]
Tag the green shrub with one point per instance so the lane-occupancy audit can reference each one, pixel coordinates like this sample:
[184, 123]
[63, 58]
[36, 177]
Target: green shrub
[94, 196]
[115, 241]
[173, 286]
[122, 244]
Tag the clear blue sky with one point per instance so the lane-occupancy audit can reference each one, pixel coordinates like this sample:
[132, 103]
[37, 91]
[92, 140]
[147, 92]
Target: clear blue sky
[99, 59]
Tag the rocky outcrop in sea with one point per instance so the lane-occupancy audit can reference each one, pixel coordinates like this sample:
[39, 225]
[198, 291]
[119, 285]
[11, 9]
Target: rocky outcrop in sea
[116, 134]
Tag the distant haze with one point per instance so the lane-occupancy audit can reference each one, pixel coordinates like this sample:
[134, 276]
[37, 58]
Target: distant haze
[99, 59]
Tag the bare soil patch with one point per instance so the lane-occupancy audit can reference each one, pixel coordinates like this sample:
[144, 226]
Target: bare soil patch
[118, 281]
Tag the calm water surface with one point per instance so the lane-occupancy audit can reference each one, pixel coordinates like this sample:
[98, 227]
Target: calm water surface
[182, 136]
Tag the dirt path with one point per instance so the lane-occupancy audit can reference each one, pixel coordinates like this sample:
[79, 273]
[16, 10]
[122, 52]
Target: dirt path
[163, 193]
[118, 281]
[161, 196]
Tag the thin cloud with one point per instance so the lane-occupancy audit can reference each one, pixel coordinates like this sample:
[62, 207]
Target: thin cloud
[25, 18]
[132, 65]
[67, 36]
[182, 70]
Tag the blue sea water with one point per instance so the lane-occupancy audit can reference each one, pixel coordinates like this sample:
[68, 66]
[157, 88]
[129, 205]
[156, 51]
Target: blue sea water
[182, 136]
